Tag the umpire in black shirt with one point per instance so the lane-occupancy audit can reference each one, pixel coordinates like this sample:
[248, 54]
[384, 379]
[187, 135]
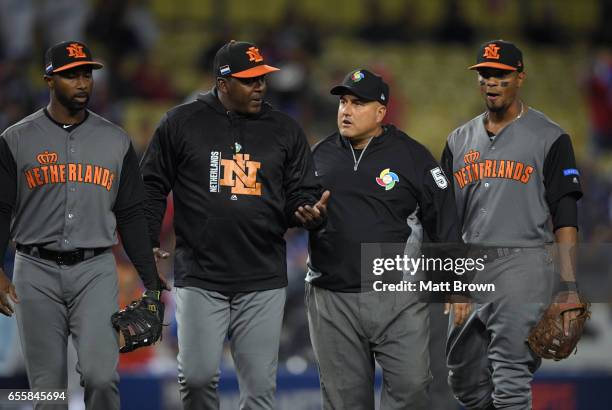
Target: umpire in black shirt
[386, 188]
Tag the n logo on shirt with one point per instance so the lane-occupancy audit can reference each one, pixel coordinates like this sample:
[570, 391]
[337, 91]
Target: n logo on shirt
[241, 174]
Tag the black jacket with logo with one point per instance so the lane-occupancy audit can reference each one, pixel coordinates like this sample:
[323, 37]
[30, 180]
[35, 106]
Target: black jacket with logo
[364, 210]
[236, 182]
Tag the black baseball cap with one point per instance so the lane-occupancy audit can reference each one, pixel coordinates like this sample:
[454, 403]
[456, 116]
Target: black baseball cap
[365, 85]
[67, 55]
[240, 59]
[499, 54]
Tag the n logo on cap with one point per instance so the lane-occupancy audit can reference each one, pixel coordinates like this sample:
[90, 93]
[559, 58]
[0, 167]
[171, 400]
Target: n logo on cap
[75, 50]
[491, 51]
[254, 55]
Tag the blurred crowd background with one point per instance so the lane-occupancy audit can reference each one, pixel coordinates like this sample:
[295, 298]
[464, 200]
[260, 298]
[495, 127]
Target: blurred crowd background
[158, 53]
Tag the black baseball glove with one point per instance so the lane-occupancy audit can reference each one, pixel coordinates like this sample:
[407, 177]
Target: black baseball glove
[141, 322]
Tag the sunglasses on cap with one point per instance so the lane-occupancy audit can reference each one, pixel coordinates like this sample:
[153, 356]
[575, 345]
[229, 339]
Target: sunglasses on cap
[487, 72]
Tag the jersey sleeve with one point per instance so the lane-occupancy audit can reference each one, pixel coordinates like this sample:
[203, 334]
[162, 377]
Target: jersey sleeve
[131, 189]
[132, 227]
[8, 174]
[301, 184]
[446, 162]
[561, 177]
[437, 202]
[564, 212]
[158, 167]
[8, 182]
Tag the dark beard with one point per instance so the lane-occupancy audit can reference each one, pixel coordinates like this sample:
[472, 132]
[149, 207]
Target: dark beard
[495, 109]
[71, 105]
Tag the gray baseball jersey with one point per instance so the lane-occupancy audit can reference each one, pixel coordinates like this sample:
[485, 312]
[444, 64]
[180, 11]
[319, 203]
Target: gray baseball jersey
[67, 183]
[504, 185]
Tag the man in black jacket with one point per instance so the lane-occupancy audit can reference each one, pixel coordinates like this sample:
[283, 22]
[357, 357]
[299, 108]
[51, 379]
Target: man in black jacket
[387, 188]
[241, 173]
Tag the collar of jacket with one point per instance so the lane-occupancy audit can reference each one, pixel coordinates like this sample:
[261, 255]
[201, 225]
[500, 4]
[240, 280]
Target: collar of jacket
[211, 99]
[387, 130]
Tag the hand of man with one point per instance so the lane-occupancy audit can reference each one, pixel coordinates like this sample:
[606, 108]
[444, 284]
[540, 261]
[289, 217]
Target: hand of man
[163, 285]
[160, 254]
[568, 316]
[140, 323]
[461, 310]
[7, 290]
[561, 326]
[312, 216]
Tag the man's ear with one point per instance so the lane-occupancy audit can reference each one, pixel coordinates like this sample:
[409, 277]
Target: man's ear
[49, 80]
[222, 85]
[381, 111]
[521, 77]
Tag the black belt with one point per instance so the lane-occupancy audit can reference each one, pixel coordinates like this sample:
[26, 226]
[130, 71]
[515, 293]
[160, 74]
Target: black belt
[491, 254]
[61, 258]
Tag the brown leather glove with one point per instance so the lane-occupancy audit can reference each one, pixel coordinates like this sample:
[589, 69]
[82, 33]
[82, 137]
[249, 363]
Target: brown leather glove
[548, 339]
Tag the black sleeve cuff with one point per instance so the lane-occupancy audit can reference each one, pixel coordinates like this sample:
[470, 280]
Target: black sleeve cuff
[132, 227]
[561, 176]
[5, 226]
[565, 212]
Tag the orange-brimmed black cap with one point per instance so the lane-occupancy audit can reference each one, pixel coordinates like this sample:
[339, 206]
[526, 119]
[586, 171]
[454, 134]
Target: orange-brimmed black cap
[67, 55]
[500, 54]
[240, 59]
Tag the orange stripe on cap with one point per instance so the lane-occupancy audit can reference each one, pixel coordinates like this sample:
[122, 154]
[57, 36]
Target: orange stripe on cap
[255, 71]
[78, 63]
[493, 65]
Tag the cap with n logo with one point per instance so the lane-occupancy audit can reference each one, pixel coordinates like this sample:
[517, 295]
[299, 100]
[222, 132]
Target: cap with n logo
[67, 55]
[240, 59]
[499, 54]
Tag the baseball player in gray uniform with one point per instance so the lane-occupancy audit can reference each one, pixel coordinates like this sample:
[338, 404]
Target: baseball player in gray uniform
[69, 181]
[516, 187]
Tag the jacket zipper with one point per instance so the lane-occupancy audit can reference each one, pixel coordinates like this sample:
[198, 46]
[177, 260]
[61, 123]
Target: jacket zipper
[355, 160]
[235, 133]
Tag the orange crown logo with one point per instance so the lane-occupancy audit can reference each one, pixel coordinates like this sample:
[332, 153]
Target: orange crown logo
[75, 50]
[46, 158]
[254, 55]
[491, 51]
[471, 156]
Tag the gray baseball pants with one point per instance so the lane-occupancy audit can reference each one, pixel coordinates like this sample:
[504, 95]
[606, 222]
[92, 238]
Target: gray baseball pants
[56, 301]
[488, 359]
[350, 331]
[251, 321]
